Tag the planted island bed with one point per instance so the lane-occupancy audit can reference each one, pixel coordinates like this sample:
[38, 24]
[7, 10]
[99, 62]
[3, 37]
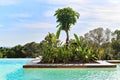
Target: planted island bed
[94, 45]
[98, 64]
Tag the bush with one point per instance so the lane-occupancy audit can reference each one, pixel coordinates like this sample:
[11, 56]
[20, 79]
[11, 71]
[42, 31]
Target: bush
[53, 51]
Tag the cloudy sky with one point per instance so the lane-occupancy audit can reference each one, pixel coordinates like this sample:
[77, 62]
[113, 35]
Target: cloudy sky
[23, 21]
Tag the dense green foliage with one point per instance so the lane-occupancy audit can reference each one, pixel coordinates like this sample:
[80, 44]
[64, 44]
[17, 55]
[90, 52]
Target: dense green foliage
[53, 51]
[28, 50]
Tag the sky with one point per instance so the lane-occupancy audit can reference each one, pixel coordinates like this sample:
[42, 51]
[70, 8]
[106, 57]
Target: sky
[24, 21]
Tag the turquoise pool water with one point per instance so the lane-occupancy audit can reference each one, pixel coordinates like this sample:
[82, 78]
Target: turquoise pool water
[11, 69]
[72, 74]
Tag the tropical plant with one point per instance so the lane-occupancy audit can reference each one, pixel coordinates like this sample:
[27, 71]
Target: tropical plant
[53, 51]
[65, 54]
[49, 48]
[83, 52]
[66, 17]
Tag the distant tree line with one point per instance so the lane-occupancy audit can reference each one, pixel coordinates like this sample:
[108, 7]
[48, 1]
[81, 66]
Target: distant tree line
[104, 44]
[29, 50]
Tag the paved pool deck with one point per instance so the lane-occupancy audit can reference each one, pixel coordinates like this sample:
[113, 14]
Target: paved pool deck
[100, 64]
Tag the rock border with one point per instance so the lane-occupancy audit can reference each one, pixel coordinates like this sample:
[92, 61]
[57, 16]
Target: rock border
[99, 64]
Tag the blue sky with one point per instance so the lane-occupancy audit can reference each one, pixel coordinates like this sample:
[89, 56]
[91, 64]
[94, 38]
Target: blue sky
[23, 21]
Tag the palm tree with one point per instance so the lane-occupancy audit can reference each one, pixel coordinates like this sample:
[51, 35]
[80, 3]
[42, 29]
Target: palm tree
[65, 17]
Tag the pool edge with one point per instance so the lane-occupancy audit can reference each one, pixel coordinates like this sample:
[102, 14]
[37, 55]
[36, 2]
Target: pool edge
[100, 64]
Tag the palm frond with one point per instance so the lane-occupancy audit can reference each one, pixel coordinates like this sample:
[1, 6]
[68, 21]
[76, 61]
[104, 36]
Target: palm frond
[58, 32]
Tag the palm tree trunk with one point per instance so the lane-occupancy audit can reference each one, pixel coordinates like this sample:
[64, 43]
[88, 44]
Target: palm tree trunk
[67, 39]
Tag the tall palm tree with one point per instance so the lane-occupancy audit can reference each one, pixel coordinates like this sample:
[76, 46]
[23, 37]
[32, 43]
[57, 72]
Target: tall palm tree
[65, 17]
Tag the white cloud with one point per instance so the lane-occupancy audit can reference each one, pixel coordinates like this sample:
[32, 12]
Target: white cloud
[114, 1]
[75, 4]
[20, 15]
[99, 14]
[66, 1]
[1, 25]
[7, 2]
[110, 14]
[58, 2]
[49, 13]
[112, 26]
[37, 25]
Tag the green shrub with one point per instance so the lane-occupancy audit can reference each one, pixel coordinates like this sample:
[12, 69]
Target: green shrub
[53, 51]
[1, 55]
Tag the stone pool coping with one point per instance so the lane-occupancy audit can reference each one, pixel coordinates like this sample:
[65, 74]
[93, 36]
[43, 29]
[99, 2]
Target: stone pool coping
[99, 64]
[113, 61]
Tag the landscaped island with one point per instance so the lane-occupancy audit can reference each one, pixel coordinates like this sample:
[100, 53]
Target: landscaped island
[97, 44]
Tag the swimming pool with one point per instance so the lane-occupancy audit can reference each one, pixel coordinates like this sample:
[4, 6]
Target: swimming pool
[11, 69]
